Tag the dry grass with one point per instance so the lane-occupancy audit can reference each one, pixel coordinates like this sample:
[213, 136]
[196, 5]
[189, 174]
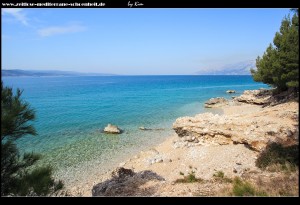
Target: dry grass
[266, 184]
[245, 188]
[282, 185]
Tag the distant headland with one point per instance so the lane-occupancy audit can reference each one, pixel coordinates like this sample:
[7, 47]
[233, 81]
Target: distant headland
[42, 73]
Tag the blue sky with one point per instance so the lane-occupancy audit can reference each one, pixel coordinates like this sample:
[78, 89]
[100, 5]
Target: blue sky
[134, 41]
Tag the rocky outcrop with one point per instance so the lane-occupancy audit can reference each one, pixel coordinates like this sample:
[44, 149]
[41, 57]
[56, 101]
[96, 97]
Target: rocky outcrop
[257, 97]
[215, 102]
[256, 130]
[266, 97]
[230, 91]
[125, 182]
[112, 129]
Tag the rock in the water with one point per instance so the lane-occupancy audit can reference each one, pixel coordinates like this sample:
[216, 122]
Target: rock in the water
[230, 91]
[142, 128]
[215, 102]
[113, 129]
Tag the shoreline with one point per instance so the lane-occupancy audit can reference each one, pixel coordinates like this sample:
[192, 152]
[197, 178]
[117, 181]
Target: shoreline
[173, 156]
[84, 175]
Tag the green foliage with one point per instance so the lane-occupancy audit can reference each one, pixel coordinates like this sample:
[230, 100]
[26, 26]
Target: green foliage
[18, 177]
[38, 182]
[15, 115]
[190, 178]
[279, 65]
[276, 154]
[9, 166]
[243, 188]
[220, 176]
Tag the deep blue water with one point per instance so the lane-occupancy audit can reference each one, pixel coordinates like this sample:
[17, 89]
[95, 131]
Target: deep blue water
[71, 111]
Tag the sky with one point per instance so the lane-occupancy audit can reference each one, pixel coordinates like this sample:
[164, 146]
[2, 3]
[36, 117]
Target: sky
[135, 41]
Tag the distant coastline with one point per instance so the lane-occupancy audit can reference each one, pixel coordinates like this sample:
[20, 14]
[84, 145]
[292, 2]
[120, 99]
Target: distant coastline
[58, 73]
[44, 73]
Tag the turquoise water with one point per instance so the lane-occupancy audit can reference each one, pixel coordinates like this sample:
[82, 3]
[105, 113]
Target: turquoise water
[71, 111]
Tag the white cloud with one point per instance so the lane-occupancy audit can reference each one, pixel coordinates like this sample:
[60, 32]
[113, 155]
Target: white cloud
[17, 13]
[56, 30]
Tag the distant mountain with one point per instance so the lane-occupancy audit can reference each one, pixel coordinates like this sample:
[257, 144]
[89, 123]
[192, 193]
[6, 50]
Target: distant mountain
[240, 68]
[40, 73]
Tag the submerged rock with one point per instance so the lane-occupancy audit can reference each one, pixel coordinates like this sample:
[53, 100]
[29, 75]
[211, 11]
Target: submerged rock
[230, 91]
[113, 129]
[143, 128]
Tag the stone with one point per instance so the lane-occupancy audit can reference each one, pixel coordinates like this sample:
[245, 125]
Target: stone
[215, 102]
[257, 97]
[230, 91]
[142, 128]
[112, 129]
[122, 173]
[189, 139]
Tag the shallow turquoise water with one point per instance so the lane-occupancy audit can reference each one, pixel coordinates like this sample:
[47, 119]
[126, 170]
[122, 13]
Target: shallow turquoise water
[71, 111]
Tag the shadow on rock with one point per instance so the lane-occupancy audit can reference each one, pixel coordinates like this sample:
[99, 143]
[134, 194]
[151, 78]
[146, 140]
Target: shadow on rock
[125, 182]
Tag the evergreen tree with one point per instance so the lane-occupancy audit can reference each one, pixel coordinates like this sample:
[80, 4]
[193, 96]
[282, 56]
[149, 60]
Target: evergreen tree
[16, 179]
[279, 65]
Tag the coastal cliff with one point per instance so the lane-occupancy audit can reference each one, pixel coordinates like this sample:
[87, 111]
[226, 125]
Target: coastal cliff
[255, 129]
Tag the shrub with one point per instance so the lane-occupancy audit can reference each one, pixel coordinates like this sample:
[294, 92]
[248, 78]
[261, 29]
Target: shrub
[243, 188]
[220, 176]
[276, 154]
[190, 178]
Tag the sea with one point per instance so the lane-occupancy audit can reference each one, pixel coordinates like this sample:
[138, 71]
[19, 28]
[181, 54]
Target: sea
[71, 113]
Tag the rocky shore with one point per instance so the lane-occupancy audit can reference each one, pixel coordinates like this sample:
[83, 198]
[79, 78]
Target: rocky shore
[254, 127]
[205, 145]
